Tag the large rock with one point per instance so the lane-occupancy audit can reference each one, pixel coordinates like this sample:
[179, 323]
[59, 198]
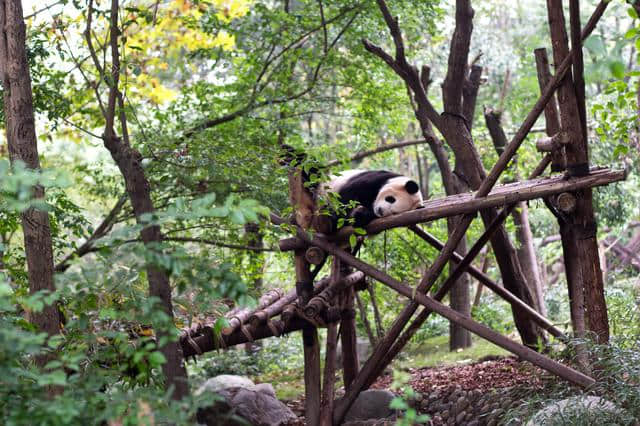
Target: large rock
[225, 381]
[371, 404]
[584, 409]
[243, 402]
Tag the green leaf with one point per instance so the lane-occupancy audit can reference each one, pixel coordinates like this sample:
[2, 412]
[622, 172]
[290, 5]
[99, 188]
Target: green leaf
[617, 69]
[220, 211]
[237, 217]
[398, 403]
[156, 359]
[620, 150]
[631, 33]
[632, 12]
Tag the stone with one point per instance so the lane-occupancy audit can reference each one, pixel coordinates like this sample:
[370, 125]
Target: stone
[461, 404]
[371, 404]
[586, 408]
[473, 423]
[505, 404]
[460, 417]
[266, 388]
[239, 405]
[445, 414]
[225, 381]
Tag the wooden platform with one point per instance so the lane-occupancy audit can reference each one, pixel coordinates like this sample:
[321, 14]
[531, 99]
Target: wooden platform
[501, 195]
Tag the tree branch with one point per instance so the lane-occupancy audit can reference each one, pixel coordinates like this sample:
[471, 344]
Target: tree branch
[458, 57]
[102, 230]
[378, 150]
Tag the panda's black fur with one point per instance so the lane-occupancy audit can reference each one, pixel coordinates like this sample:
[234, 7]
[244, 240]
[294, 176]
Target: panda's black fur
[363, 188]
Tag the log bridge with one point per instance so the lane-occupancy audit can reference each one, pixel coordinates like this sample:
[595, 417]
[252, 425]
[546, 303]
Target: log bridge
[329, 301]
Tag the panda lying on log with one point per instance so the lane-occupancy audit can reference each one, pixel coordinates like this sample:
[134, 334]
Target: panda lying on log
[364, 194]
[370, 194]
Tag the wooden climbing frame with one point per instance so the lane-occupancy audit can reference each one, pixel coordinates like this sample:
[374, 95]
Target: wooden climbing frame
[329, 301]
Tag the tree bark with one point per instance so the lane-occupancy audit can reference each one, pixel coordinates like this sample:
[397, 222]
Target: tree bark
[578, 229]
[456, 129]
[129, 162]
[525, 251]
[22, 143]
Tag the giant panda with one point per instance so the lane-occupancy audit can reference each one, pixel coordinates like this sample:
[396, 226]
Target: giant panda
[377, 193]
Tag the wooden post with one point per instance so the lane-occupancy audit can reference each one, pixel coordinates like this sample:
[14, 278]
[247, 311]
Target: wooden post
[552, 121]
[578, 229]
[326, 409]
[348, 337]
[303, 204]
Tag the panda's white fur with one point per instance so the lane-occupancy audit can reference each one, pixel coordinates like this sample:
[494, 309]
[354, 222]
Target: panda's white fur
[379, 193]
[396, 187]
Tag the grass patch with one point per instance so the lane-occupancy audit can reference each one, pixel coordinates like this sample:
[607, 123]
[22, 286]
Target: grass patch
[287, 384]
[434, 352]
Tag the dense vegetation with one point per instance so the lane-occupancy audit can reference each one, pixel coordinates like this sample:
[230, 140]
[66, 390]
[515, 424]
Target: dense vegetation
[208, 92]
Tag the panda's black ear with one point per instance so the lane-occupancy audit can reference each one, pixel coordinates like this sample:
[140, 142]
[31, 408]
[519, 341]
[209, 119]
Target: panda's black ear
[411, 187]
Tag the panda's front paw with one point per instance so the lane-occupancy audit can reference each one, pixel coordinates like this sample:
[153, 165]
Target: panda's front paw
[362, 216]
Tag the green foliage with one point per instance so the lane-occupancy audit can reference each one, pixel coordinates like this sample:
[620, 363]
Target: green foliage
[409, 414]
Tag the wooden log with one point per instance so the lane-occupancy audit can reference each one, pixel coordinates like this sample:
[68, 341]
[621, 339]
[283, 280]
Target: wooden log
[206, 341]
[553, 143]
[260, 316]
[502, 195]
[348, 338]
[291, 244]
[329, 376]
[468, 203]
[238, 318]
[236, 321]
[314, 255]
[325, 298]
[566, 202]
[552, 121]
[326, 408]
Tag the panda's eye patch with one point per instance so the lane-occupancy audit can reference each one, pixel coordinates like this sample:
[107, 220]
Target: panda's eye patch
[390, 199]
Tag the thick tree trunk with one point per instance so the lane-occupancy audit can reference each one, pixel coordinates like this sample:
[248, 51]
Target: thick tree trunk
[525, 251]
[129, 162]
[21, 137]
[578, 227]
[459, 297]
[456, 129]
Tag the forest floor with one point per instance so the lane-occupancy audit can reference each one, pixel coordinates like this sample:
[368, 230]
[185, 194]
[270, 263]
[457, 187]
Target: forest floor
[494, 375]
[432, 352]
[435, 373]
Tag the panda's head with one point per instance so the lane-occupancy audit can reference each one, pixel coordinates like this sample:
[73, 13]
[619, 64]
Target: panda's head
[397, 195]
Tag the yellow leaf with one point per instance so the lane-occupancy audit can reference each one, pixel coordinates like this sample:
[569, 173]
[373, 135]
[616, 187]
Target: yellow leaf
[228, 10]
[225, 40]
[161, 94]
